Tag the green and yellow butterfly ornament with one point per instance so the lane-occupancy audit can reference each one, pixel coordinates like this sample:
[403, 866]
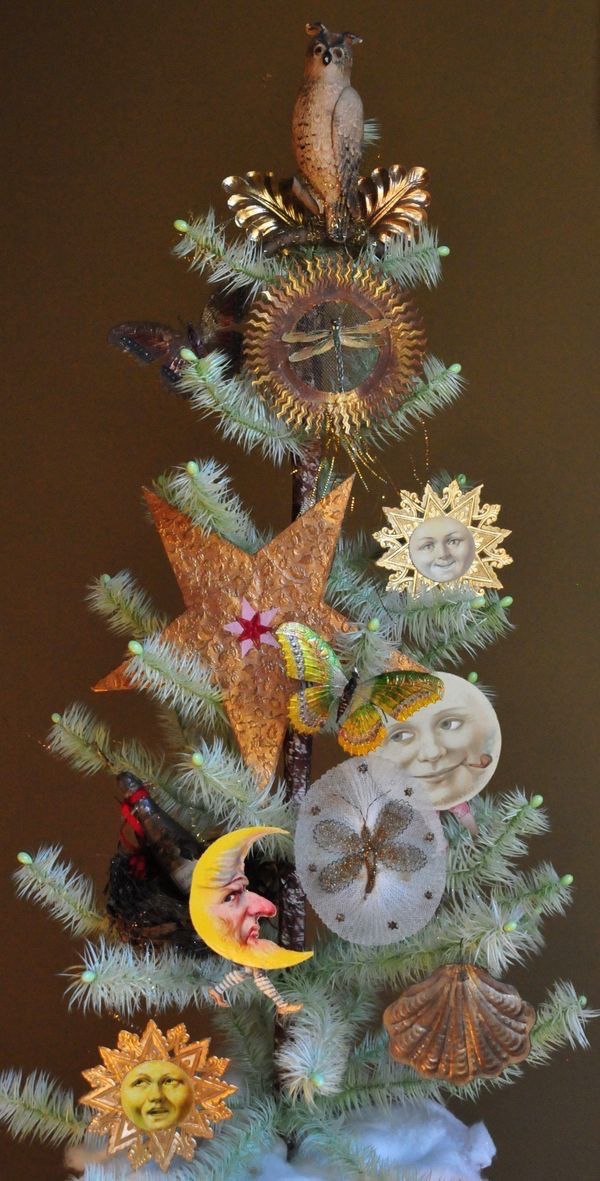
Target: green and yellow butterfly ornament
[362, 706]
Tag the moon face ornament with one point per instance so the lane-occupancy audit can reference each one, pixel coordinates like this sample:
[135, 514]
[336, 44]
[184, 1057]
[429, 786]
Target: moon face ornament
[370, 852]
[443, 539]
[155, 1093]
[227, 915]
[451, 747]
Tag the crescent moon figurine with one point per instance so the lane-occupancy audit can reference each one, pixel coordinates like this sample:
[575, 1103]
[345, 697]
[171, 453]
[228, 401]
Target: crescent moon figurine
[226, 914]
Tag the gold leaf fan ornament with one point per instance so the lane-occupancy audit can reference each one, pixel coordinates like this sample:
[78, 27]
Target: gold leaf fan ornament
[394, 201]
[443, 539]
[334, 347]
[459, 1024]
[155, 1093]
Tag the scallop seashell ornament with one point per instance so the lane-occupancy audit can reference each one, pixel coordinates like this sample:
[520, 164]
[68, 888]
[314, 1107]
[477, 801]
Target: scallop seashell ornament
[459, 1024]
[370, 852]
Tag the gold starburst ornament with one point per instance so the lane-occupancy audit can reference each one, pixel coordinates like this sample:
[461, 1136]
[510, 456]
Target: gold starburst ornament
[155, 1093]
[443, 539]
[334, 347]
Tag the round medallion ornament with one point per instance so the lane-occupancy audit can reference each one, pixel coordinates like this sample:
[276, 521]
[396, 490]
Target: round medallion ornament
[334, 347]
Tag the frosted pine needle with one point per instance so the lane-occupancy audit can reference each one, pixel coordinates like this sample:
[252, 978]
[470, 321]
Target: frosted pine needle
[39, 1109]
[68, 895]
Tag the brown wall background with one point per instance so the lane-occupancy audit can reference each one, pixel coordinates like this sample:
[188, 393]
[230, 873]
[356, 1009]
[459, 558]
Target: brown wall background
[123, 116]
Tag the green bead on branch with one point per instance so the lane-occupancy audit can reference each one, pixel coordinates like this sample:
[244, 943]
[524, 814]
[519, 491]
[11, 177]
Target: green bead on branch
[55, 885]
[178, 681]
[243, 417]
[411, 261]
[203, 492]
[127, 608]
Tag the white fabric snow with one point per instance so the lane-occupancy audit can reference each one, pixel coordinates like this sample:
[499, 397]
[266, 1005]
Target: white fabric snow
[425, 1137]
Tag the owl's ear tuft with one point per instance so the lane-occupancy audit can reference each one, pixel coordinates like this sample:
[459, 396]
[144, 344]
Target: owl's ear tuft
[352, 38]
[313, 28]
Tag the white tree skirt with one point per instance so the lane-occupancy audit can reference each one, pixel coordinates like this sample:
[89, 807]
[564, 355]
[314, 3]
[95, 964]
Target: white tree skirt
[424, 1137]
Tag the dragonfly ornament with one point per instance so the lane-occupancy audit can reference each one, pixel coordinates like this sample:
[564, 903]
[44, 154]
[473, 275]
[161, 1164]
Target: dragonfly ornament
[336, 337]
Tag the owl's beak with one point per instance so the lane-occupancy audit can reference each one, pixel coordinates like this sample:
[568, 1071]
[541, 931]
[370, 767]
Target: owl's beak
[326, 57]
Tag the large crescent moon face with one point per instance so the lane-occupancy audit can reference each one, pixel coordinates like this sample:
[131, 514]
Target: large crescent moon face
[226, 914]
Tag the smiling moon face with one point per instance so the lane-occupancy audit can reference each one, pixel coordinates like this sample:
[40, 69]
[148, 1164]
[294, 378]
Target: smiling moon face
[226, 914]
[452, 746]
[442, 549]
[156, 1095]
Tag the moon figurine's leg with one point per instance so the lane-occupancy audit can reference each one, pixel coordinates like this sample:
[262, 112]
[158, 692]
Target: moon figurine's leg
[464, 814]
[228, 981]
[262, 981]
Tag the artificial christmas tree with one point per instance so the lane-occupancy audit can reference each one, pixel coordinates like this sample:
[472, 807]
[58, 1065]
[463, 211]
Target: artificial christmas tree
[328, 1058]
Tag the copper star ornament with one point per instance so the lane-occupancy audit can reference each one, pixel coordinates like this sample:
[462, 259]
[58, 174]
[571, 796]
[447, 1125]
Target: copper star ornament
[155, 1093]
[215, 577]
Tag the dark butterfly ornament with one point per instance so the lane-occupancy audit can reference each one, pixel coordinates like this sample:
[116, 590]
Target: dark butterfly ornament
[370, 852]
[148, 341]
[362, 706]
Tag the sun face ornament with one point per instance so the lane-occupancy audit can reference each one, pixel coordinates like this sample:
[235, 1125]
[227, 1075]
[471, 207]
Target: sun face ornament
[155, 1093]
[442, 540]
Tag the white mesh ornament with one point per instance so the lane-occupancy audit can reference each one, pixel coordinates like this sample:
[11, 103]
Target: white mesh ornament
[370, 852]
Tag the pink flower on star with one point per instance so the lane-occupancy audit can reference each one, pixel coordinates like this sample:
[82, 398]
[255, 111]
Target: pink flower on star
[253, 628]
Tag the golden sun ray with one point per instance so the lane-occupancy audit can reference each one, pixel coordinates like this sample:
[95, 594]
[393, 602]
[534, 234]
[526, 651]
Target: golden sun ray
[443, 539]
[155, 1093]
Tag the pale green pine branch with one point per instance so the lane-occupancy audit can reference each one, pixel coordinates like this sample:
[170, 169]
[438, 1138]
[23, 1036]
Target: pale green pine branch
[312, 1059]
[411, 261]
[119, 977]
[125, 606]
[202, 490]
[177, 680]
[219, 781]
[242, 415]
[39, 1109]
[365, 650]
[440, 388]
[85, 742]
[68, 895]
[560, 1021]
[239, 265]
[505, 823]
[249, 1041]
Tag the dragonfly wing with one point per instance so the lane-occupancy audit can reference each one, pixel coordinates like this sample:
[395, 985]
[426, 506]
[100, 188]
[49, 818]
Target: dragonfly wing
[357, 342]
[312, 350]
[308, 709]
[337, 837]
[341, 874]
[308, 657]
[367, 328]
[305, 337]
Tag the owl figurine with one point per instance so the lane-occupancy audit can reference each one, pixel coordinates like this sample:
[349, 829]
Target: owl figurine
[327, 130]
